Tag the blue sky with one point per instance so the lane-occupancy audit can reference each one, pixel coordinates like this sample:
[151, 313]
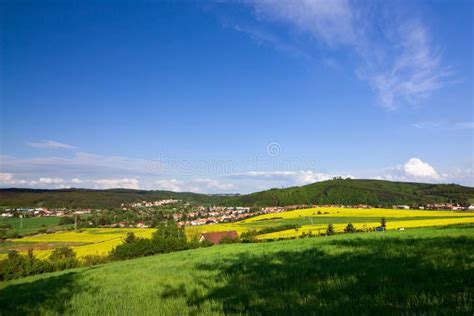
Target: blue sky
[234, 96]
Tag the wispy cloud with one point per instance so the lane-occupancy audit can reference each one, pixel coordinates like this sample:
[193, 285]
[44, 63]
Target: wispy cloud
[410, 70]
[395, 53]
[444, 125]
[464, 125]
[78, 165]
[195, 185]
[50, 144]
[262, 36]
[9, 179]
[330, 21]
[127, 183]
[289, 178]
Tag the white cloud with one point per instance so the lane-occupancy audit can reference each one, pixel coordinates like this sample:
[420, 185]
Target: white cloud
[464, 125]
[203, 185]
[125, 183]
[51, 180]
[168, 185]
[395, 53]
[6, 178]
[428, 125]
[444, 125]
[194, 185]
[416, 168]
[291, 178]
[101, 172]
[53, 183]
[9, 179]
[50, 144]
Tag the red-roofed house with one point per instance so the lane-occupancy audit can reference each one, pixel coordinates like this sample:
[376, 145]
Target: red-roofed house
[216, 237]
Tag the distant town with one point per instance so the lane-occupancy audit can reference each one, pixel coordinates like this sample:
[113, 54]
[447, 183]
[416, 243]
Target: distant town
[145, 214]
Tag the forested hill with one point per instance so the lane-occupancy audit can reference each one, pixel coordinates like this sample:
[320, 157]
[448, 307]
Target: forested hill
[372, 192]
[349, 191]
[85, 198]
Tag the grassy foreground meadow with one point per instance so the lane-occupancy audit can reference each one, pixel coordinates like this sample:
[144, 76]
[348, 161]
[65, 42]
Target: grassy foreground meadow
[417, 271]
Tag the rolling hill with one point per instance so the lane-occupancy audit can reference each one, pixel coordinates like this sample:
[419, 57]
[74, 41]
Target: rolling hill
[350, 191]
[339, 191]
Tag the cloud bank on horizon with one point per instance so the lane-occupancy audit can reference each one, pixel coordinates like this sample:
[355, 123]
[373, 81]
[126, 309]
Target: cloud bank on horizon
[81, 170]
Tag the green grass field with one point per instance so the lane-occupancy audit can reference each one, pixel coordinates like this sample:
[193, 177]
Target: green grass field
[33, 224]
[417, 271]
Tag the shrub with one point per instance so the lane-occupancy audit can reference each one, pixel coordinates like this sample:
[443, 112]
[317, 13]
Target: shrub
[66, 220]
[350, 228]
[16, 265]
[249, 236]
[330, 230]
[206, 243]
[93, 260]
[278, 228]
[6, 226]
[139, 247]
[130, 238]
[63, 258]
[169, 237]
[12, 234]
[13, 266]
[307, 235]
[228, 240]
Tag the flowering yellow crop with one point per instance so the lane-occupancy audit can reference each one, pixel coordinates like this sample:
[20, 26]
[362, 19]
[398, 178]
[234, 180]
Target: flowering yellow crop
[90, 241]
[192, 231]
[328, 214]
[316, 229]
[351, 212]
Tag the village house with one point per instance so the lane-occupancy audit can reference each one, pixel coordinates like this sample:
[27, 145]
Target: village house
[141, 225]
[216, 237]
[401, 207]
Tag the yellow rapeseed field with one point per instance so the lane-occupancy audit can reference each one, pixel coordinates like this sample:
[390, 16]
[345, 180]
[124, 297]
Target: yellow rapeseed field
[316, 229]
[397, 219]
[351, 212]
[89, 241]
